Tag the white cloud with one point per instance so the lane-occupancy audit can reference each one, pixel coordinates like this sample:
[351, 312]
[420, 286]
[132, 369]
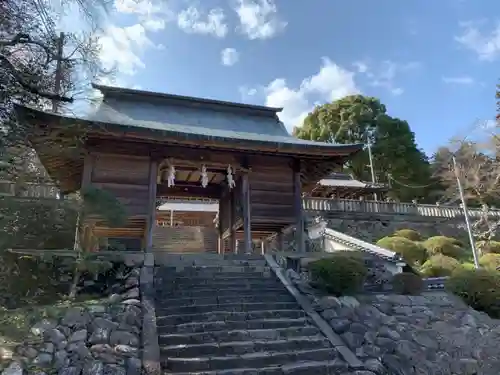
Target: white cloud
[330, 83]
[152, 15]
[460, 80]
[384, 75]
[485, 45]
[229, 56]
[191, 21]
[489, 124]
[259, 19]
[247, 92]
[136, 6]
[154, 24]
[360, 66]
[121, 48]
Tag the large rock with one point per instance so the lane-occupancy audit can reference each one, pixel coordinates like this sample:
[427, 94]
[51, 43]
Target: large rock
[39, 328]
[15, 368]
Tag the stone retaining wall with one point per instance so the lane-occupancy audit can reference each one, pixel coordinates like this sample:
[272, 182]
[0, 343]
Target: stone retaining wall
[372, 227]
[431, 334]
[106, 337]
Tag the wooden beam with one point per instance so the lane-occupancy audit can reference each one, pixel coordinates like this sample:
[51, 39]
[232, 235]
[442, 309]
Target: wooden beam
[151, 222]
[190, 190]
[232, 221]
[243, 146]
[247, 226]
[299, 215]
[88, 166]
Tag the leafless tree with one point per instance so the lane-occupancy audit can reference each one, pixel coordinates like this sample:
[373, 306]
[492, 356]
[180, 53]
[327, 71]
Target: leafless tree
[41, 69]
[478, 169]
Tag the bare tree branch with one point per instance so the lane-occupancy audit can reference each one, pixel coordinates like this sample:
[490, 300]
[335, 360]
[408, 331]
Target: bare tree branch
[29, 87]
[478, 162]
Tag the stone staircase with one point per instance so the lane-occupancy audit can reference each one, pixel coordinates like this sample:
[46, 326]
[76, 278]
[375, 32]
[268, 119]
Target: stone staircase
[230, 315]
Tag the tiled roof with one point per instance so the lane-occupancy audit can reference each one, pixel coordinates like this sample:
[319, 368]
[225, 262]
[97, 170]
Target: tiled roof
[195, 116]
[202, 122]
[120, 92]
[338, 179]
[342, 183]
[193, 119]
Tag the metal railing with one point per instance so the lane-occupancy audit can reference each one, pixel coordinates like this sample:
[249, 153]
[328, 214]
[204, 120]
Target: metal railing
[352, 205]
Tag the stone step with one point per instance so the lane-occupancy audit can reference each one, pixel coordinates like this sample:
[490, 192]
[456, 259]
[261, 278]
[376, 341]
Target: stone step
[212, 269]
[257, 359]
[235, 335]
[182, 278]
[197, 283]
[249, 306]
[203, 292]
[175, 260]
[206, 257]
[206, 278]
[241, 316]
[330, 367]
[222, 300]
[230, 325]
[245, 347]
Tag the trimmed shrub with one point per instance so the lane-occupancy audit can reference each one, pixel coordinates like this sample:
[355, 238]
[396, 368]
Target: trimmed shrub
[413, 253]
[341, 274]
[444, 246]
[479, 288]
[468, 266]
[488, 247]
[490, 261]
[439, 265]
[410, 234]
[407, 283]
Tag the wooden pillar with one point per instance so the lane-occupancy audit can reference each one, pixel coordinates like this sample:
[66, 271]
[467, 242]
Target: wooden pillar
[247, 228]
[232, 221]
[281, 241]
[299, 214]
[151, 217]
[88, 166]
[220, 241]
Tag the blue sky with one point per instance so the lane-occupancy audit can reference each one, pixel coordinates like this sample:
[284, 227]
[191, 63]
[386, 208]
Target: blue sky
[431, 62]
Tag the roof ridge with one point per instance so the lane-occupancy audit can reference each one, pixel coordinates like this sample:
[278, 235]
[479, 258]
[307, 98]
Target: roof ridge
[113, 91]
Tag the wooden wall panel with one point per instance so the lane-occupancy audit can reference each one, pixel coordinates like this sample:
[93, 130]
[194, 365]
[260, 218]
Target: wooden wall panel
[271, 195]
[224, 212]
[121, 169]
[133, 197]
[126, 177]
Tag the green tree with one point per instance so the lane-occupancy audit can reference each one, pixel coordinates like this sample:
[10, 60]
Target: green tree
[396, 157]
